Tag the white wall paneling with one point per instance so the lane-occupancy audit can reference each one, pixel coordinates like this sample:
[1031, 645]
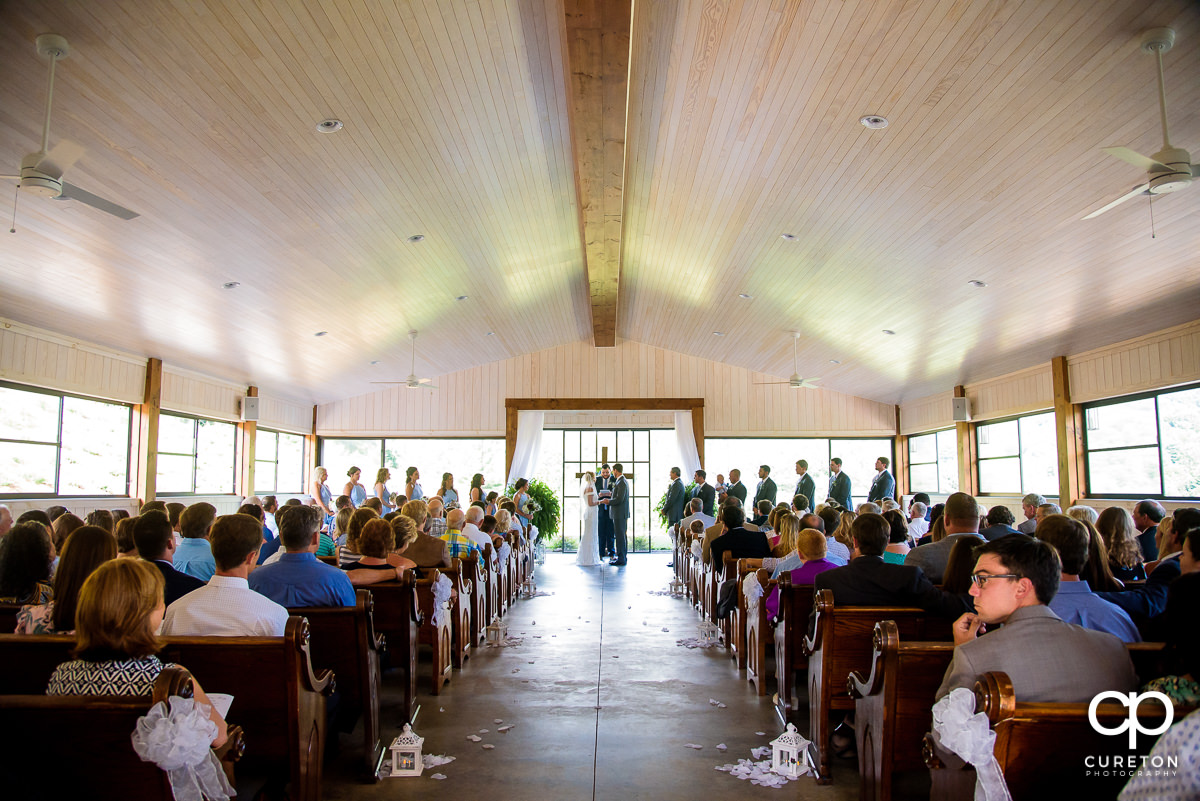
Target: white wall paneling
[40, 358]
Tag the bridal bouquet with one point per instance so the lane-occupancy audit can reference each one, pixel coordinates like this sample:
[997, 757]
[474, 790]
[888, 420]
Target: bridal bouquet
[531, 507]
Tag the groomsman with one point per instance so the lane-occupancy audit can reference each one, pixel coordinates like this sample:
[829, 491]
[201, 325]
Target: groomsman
[839, 485]
[704, 491]
[604, 523]
[673, 508]
[736, 488]
[805, 485]
[883, 485]
[766, 491]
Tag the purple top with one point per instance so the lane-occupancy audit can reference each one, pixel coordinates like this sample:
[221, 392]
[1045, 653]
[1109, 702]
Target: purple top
[801, 575]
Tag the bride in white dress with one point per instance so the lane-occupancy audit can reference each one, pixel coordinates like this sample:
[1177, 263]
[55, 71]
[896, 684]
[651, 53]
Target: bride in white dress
[589, 545]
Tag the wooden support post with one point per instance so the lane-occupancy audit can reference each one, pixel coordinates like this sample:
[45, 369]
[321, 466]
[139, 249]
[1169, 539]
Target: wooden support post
[310, 453]
[1068, 431]
[967, 481]
[698, 430]
[900, 464]
[247, 440]
[148, 411]
[510, 439]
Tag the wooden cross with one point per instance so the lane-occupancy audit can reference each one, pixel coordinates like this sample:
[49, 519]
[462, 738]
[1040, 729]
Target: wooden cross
[604, 460]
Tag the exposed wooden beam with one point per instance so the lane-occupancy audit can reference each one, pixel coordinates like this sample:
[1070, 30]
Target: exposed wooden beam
[598, 60]
[249, 445]
[900, 463]
[603, 404]
[967, 461]
[1068, 432]
[148, 411]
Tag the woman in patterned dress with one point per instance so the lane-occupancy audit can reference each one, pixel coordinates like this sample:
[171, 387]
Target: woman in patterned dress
[117, 619]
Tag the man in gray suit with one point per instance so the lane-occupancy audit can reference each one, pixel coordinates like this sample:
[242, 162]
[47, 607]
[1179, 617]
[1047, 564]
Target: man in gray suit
[961, 519]
[1015, 579]
[1029, 505]
[618, 510]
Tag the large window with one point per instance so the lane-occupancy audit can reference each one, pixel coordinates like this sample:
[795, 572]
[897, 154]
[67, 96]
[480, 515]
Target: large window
[53, 444]
[1145, 447]
[933, 462]
[462, 457]
[780, 453]
[195, 455]
[278, 462]
[1018, 456]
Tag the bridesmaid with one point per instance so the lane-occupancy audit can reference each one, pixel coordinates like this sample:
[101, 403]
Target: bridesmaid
[477, 493]
[412, 484]
[381, 490]
[356, 491]
[447, 492]
[323, 496]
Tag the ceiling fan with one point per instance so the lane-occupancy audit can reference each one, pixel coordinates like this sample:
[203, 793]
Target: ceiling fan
[412, 382]
[797, 381]
[42, 172]
[1170, 169]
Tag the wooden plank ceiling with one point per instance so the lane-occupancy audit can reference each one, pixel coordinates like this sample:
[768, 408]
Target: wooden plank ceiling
[742, 126]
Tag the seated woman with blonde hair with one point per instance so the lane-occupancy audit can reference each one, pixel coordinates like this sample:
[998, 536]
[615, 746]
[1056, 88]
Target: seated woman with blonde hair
[117, 619]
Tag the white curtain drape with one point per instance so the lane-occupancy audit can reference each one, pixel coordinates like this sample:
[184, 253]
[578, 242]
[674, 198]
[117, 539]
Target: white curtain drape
[685, 438]
[529, 445]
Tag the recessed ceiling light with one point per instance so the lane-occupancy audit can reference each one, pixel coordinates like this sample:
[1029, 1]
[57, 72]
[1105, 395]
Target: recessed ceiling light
[231, 285]
[416, 237]
[889, 332]
[834, 361]
[788, 237]
[977, 284]
[320, 333]
[462, 297]
[718, 333]
[329, 126]
[491, 333]
[874, 122]
[744, 296]
[375, 361]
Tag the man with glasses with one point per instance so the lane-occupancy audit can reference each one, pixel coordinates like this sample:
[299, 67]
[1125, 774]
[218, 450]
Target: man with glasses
[1015, 579]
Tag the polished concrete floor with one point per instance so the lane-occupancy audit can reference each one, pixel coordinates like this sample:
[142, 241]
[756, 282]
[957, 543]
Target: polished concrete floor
[601, 699]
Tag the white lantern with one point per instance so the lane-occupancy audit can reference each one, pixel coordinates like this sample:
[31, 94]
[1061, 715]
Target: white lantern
[709, 633]
[789, 754]
[677, 587]
[406, 753]
[496, 631]
[529, 587]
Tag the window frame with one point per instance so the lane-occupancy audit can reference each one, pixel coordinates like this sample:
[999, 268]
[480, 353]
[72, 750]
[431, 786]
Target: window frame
[1157, 445]
[58, 444]
[195, 456]
[303, 461]
[912, 486]
[1021, 468]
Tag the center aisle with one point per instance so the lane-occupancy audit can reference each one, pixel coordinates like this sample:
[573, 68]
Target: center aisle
[601, 699]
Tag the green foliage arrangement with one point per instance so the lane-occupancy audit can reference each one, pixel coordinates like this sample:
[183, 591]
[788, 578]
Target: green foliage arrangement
[548, 516]
[660, 507]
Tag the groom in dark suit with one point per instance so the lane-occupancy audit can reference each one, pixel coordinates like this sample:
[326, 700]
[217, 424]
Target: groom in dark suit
[604, 523]
[618, 509]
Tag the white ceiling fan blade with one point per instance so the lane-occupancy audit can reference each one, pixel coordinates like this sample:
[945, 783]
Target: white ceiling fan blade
[389, 382]
[424, 380]
[1136, 159]
[771, 383]
[72, 192]
[11, 177]
[810, 383]
[1137, 190]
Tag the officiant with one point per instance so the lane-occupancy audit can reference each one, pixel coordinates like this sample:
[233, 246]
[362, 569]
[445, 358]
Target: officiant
[604, 486]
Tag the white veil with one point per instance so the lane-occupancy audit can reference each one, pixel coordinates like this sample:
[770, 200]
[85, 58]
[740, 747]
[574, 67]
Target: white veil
[584, 483]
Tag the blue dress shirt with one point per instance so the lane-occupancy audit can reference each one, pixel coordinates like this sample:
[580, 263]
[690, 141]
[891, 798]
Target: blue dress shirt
[1076, 603]
[194, 557]
[299, 579]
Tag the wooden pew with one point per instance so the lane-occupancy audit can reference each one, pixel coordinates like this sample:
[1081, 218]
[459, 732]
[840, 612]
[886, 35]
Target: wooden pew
[893, 706]
[1042, 747]
[397, 618]
[460, 613]
[791, 627]
[759, 634]
[434, 630]
[343, 640]
[474, 573]
[493, 608]
[278, 697]
[80, 745]
[737, 620]
[8, 617]
[840, 644]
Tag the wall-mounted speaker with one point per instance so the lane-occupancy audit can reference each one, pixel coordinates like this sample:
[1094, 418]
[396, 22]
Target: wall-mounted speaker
[250, 409]
[961, 409]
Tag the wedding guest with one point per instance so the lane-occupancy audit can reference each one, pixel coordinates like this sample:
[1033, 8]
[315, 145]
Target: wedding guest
[961, 517]
[435, 518]
[918, 526]
[1098, 570]
[102, 518]
[174, 512]
[124, 534]
[1146, 516]
[416, 545]
[1115, 525]
[461, 547]
[492, 505]
[26, 554]
[1084, 514]
[86, 549]
[1183, 647]
[62, 528]
[355, 490]
[843, 529]
[55, 512]
[811, 546]
[194, 555]
[298, 578]
[119, 613]
[897, 548]
[341, 522]
[349, 552]
[156, 544]
[785, 556]
[1075, 602]
[374, 504]
[999, 523]
[739, 542]
[6, 520]
[376, 543]
[957, 578]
